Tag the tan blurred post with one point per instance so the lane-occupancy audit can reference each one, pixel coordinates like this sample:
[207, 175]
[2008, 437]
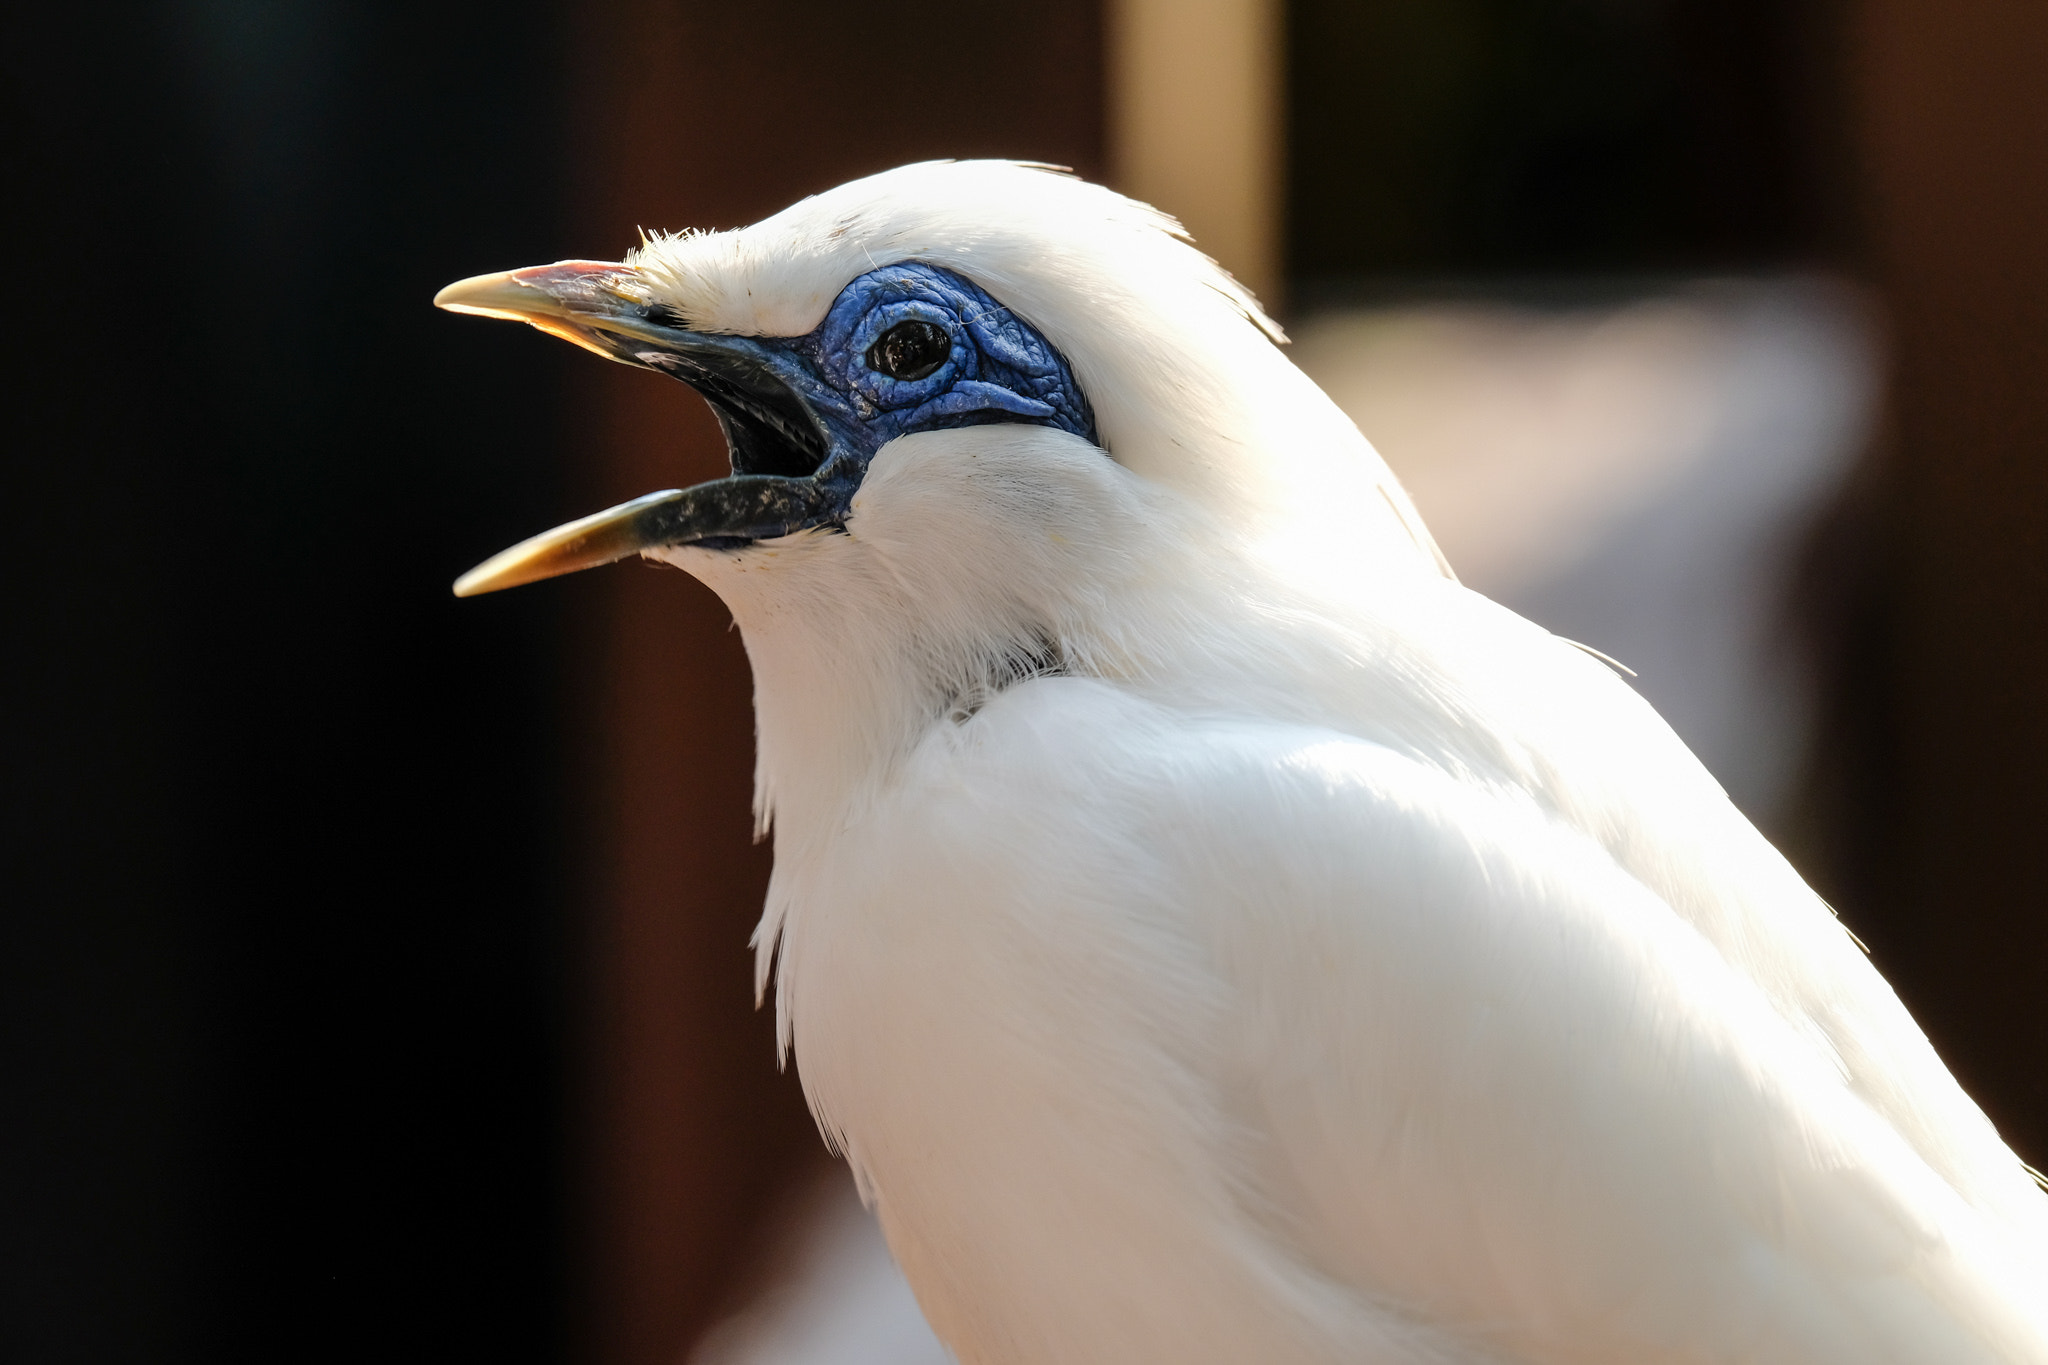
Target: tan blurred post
[1195, 110]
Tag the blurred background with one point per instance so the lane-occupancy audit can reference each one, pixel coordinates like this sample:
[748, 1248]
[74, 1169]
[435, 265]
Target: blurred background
[373, 968]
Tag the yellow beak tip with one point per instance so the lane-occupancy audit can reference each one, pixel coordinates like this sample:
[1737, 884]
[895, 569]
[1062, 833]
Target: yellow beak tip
[497, 295]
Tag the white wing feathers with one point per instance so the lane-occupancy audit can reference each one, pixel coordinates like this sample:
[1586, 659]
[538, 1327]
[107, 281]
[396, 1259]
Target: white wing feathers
[1458, 1007]
[1457, 1064]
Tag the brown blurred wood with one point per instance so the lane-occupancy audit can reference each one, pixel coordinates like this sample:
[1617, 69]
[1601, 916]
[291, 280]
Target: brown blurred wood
[695, 115]
[1947, 693]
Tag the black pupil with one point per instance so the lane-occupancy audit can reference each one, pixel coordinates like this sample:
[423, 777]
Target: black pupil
[910, 350]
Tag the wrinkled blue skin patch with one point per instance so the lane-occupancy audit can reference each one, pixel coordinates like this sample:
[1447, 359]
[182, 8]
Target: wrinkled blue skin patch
[1000, 370]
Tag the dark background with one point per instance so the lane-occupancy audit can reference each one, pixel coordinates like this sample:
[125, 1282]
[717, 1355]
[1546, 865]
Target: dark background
[1501, 139]
[372, 968]
[283, 936]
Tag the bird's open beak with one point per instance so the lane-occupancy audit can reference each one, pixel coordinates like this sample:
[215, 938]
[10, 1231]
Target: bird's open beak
[784, 476]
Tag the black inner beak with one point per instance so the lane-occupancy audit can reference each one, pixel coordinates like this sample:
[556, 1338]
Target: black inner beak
[768, 428]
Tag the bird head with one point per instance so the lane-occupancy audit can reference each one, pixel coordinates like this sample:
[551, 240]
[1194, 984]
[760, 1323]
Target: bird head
[938, 297]
[902, 349]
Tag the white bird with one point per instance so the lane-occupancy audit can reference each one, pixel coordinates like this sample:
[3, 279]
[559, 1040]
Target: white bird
[1210, 932]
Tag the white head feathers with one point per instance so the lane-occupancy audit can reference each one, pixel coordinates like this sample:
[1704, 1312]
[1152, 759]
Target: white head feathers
[1176, 356]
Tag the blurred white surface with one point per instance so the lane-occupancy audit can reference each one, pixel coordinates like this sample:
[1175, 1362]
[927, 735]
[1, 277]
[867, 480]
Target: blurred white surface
[841, 1302]
[1636, 478]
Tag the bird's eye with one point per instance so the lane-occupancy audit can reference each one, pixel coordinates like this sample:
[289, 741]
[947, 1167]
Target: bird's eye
[910, 350]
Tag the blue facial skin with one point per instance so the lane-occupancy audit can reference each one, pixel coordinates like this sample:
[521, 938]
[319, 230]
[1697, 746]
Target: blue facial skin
[797, 464]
